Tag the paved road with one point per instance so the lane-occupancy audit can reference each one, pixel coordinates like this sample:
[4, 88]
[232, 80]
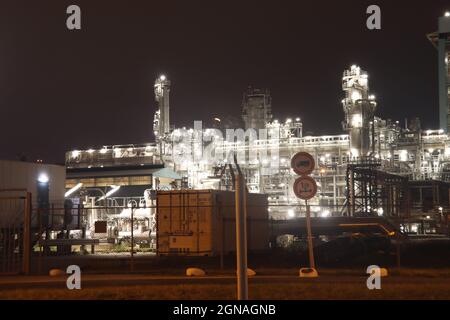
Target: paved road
[91, 281]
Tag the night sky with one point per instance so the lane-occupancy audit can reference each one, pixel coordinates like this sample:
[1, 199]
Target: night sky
[62, 90]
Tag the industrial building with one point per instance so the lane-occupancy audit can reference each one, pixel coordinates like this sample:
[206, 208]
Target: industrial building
[376, 167]
[44, 182]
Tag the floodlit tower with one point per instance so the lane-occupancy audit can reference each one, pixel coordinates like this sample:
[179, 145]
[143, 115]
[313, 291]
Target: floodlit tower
[161, 122]
[441, 40]
[256, 108]
[359, 108]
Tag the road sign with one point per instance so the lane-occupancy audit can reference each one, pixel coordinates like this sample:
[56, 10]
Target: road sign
[303, 163]
[305, 187]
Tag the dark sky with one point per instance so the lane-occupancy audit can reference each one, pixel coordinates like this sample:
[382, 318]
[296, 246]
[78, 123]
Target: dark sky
[63, 90]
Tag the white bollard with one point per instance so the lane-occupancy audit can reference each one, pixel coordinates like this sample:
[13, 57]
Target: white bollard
[308, 273]
[56, 273]
[195, 272]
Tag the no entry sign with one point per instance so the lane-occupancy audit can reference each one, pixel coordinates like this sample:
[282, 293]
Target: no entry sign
[303, 163]
[305, 187]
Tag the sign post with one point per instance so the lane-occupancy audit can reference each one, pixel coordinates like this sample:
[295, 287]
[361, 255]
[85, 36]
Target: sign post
[312, 264]
[305, 188]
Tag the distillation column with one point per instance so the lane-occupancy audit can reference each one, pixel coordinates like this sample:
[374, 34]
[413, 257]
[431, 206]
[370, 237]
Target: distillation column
[256, 108]
[359, 108]
[161, 122]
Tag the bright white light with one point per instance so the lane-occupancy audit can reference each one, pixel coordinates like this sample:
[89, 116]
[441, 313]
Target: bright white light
[356, 120]
[75, 153]
[91, 151]
[371, 97]
[322, 159]
[162, 77]
[110, 192]
[291, 213]
[104, 150]
[356, 95]
[70, 191]
[447, 14]
[403, 155]
[297, 119]
[288, 120]
[380, 211]
[43, 178]
[325, 213]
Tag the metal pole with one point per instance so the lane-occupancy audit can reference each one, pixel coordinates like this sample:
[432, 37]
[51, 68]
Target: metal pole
[27, 235]
[132, 239]
[398, 246]
[312, 264]
[241, 239]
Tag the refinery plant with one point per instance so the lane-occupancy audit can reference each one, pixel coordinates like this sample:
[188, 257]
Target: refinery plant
[376, 168]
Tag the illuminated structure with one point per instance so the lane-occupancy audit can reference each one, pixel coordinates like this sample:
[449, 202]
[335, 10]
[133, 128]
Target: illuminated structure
[359, 108]
[441, 40]
[361, 172]
[161, 122]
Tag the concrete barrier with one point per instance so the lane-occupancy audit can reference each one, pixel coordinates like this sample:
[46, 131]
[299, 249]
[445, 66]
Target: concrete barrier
[308, 273]
[250, 272]
[195, 272]
[56, 273]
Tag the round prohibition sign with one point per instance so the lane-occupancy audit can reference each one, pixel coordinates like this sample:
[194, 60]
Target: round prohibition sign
[305, 188]
[303, 163]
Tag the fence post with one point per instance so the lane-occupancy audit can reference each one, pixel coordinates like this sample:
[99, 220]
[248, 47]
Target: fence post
[26, 259]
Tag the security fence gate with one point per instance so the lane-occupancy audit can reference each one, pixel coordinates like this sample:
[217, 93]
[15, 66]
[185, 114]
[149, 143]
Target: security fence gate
[15, 231]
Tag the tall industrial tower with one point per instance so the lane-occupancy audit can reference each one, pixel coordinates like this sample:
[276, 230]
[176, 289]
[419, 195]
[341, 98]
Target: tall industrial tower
[359, 108]
[256, 108]
[441, 40]
[161, 122]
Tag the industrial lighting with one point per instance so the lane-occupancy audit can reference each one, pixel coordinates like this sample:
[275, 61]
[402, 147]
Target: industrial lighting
[104, 150]
[43, 178]
[380, 211]
[325, 213]
[91, 151]
[356, 121]
[69, 192]
[403, 155]
[75, 153]
[162, 77]
[447, 14]
[110, 192]
[356, 95]
[291, 213]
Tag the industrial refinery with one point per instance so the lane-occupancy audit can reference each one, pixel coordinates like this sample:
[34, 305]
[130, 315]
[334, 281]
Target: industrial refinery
[196, 151]
[376, 167]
